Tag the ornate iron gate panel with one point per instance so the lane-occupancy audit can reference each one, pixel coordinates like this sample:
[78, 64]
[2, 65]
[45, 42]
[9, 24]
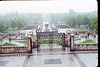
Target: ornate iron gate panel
[50, 41]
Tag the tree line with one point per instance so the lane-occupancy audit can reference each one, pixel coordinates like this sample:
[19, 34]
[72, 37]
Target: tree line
[71, 18]
[76, 19]
[12, 23]
[87, 19]
[31, 18]
[18, 20]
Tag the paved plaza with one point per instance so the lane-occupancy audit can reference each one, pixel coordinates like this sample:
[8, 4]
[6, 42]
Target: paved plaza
[47, 58]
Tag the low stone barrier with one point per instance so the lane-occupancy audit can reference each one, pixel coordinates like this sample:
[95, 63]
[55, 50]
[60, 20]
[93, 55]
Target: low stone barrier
[86, 46]
[13, 49]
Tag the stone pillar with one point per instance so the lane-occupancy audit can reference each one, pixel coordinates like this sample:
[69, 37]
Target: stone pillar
[32, 43]
[69, 38]
[38, 41]
[72, 42]
[29, 44]
[63, 41]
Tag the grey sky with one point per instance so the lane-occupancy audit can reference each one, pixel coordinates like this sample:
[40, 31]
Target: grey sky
[48, 6]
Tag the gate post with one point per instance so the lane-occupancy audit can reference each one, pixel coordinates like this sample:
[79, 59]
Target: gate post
[32, 43]
[69, 37]
[63, 41]
[38, 41]
[29, 44]
[72, 42]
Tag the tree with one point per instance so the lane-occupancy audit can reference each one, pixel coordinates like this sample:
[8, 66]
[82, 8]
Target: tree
[20, 23]
[70, 20]
[79, 20]
[3, 28]
[93, 24]
[12, 22]
[86, 20]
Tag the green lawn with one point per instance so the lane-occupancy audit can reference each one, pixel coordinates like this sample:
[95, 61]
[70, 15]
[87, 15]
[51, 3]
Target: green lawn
[12, 28]
[51, 37]
[12, 31]
[50, 41]
[88, 41]
[24, 42]
[9, 44]
[76, 39]
[82, 28]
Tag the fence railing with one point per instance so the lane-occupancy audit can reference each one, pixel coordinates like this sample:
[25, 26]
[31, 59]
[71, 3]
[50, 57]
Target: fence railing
[3, 36]
[19, 39]
[13, 49]
[86, 46]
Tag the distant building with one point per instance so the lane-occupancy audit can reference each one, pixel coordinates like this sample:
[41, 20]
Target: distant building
[29, 29]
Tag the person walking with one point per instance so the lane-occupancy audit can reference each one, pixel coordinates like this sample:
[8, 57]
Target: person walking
[9, 39]
[88, 35]
[79, 37]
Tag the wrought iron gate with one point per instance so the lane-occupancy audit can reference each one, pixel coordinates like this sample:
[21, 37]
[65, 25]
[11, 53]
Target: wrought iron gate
[50, 41]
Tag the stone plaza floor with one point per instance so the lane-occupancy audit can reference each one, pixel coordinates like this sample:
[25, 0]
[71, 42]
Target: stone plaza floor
[47, 58]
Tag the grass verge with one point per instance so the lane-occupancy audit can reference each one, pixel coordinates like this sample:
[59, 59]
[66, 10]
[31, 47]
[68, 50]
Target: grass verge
[9, 44]
[88, 41]
[50, 41]
[23, 42]
[76, 39]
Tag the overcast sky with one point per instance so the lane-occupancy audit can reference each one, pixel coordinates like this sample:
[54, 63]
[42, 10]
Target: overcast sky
[48, 6]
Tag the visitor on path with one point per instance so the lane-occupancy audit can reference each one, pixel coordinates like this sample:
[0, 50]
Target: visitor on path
[94, 33]
[58, 42]
[9, 39]
[75, 33]
[88, 35]
[78, 33]
[79, 37]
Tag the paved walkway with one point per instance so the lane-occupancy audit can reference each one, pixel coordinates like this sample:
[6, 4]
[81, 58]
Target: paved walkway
[91, 37]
